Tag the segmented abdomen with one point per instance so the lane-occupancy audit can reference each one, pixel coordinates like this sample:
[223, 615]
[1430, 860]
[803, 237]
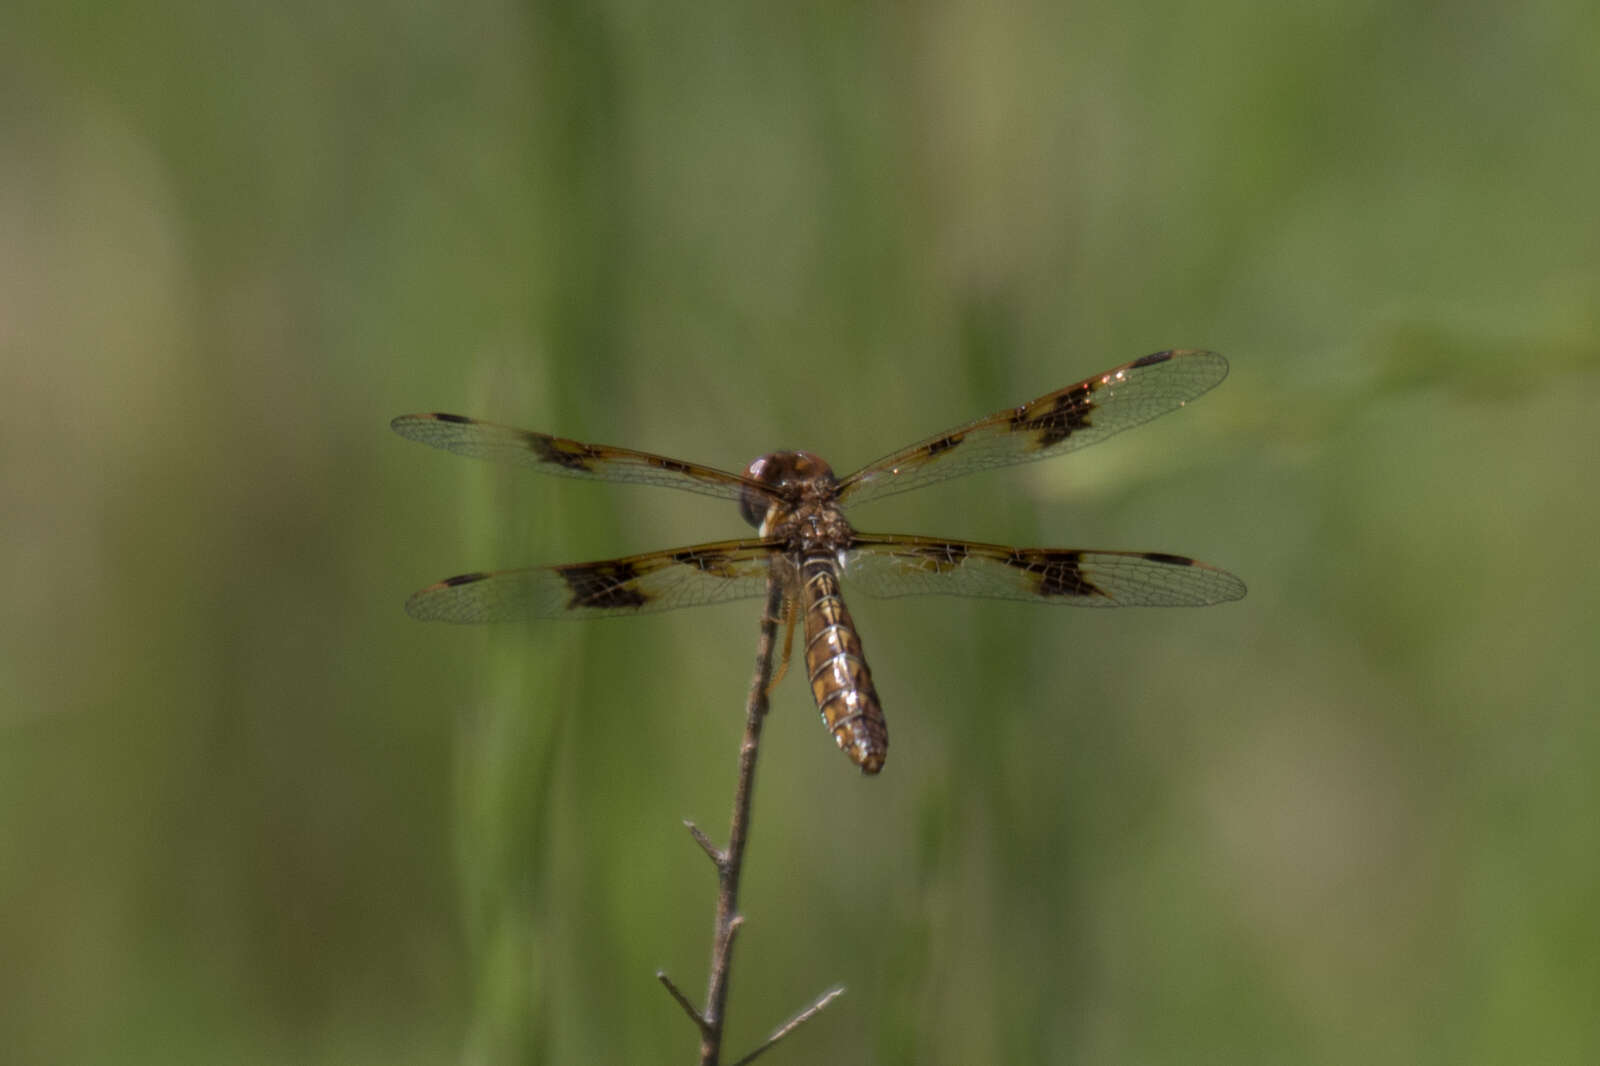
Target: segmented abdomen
[840, 680]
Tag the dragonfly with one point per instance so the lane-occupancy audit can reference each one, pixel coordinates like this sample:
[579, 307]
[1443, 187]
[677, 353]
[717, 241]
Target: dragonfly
[804, 542]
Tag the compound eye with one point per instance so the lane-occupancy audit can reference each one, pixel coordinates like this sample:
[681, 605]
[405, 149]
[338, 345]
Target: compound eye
[753, 505]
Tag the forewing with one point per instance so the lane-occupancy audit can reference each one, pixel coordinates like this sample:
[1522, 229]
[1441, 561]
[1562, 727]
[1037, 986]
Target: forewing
[887, 566]
[569, 458]
[1054, 424]
[638, 584]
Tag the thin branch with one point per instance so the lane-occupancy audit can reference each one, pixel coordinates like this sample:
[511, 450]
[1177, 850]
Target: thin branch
[730, 861]
[683, 1001]
[717, 856]
[793, 1023]
[732, 864]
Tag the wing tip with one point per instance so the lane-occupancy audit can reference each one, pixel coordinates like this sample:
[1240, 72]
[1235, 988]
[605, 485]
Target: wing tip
[431, 604]
[1210, 586]
[405, 424]
[1234, 589]
[1229, 587]
[1195, 356]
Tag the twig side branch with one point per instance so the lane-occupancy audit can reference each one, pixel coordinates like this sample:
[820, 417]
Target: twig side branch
[717, 856]
[683, 1001]
[793, 1023]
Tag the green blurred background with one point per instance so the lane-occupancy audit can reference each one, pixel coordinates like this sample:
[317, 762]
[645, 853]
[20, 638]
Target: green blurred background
[250, 812]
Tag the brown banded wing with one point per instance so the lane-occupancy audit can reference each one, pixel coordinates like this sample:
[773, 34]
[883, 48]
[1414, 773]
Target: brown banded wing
[637, 584]
[569, 458]
[1054, 424]
[885, 565]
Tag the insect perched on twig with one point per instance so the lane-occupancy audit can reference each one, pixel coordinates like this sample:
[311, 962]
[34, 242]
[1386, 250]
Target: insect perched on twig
[797, 505]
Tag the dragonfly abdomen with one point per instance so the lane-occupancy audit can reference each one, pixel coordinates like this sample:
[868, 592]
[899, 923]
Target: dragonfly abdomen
[841, 682]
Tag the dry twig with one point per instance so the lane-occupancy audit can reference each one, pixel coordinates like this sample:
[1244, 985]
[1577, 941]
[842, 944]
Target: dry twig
[730, 861]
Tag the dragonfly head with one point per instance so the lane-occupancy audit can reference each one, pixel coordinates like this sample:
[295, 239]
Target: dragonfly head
[791, 476]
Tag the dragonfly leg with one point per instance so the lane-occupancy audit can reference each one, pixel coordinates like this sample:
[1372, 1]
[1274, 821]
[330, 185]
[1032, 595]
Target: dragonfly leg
[791, 614]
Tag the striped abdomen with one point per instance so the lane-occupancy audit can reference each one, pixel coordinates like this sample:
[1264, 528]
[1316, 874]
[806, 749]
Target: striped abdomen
[840, 679]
